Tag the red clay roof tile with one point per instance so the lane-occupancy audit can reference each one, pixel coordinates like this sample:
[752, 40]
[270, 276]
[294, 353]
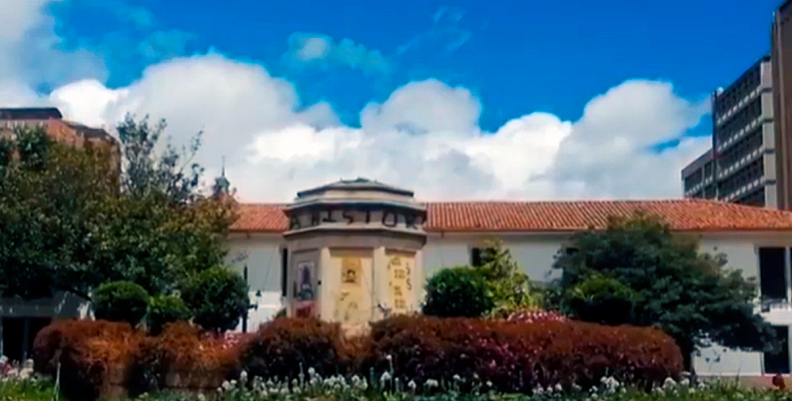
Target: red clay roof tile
[682, 215]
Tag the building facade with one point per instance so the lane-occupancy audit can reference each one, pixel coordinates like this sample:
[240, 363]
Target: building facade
[51, 120]
[356, 251]
[370, 233]
[781, 55]
[741, 165]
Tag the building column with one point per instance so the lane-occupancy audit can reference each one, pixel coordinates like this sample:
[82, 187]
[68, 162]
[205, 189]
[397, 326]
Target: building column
[379, 296]
[788, 274]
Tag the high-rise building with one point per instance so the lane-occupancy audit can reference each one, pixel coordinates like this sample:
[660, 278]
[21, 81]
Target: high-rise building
[740, 166]
[781, 55]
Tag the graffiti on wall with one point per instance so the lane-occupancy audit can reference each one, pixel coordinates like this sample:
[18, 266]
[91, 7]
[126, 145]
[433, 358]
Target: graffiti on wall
[400, 268]
[352, 306]
[305, 289]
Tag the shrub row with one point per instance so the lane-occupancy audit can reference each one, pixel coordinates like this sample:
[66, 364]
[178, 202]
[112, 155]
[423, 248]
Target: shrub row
[512, 356]
[108, 358]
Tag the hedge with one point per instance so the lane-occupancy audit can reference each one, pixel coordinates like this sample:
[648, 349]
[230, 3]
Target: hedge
[93, 355]
[512, 356]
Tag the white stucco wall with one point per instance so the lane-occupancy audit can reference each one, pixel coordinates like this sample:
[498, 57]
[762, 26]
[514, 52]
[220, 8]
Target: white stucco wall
[535, 253]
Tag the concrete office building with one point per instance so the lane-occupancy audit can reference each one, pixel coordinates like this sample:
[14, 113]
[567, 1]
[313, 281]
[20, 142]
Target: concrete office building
[741, 165]
[781, 55]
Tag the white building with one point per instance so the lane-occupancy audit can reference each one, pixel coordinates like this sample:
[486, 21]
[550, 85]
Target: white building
[368, 249]
[756, 240]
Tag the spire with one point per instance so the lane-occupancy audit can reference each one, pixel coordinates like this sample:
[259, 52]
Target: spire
[221, 186]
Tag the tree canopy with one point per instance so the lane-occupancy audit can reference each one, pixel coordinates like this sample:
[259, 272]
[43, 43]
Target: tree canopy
[636, 271]
[71, 220]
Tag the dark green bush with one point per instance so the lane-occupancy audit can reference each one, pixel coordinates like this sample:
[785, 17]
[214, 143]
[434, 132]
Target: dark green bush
[163, 309]
[601, 299]
[217, 298]
[120, 301]
[458, 292]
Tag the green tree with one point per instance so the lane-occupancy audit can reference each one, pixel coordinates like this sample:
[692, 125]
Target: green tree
[510, 288]
[665, 281]
[71, 220]
[457, 292]
[217, 297]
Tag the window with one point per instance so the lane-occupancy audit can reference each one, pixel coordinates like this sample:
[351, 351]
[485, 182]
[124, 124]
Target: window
[778, 362]
[772, 274]
[284, 271]
[475, 256]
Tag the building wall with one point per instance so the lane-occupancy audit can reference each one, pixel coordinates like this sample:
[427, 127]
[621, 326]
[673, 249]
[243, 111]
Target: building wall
[535, 253]
[782, 77]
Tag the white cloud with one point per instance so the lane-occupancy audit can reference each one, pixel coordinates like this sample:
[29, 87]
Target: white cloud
[425, 136]
[28, 53]
[310, 49]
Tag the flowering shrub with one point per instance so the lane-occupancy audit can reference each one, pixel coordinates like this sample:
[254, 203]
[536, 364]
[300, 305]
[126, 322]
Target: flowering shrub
[517, 357]
[535, 316]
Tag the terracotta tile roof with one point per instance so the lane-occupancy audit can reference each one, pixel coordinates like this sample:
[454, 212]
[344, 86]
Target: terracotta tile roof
[682, 215]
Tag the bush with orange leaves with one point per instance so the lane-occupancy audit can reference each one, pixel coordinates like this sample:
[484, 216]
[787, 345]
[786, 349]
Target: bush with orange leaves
[90, 355]
[182, 357]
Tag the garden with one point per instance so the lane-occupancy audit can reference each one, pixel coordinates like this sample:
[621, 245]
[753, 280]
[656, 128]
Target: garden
[633, 303]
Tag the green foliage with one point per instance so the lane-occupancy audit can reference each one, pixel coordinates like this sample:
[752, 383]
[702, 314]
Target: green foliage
[30, 389]
[511, 289]
[602, 299]
[689, 295]
[457, 292]
[164, 309]
[218, 298]
[120, 301]
[69, 222]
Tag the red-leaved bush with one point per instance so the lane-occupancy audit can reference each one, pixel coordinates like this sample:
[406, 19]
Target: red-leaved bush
[182, 357]
[285, 348]
[93, 355]
[517, 357]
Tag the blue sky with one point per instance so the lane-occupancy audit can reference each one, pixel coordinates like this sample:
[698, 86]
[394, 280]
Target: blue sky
[455, 99]
[515, 56]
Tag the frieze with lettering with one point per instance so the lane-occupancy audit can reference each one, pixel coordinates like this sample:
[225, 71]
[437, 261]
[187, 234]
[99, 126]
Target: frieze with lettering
[394, 218]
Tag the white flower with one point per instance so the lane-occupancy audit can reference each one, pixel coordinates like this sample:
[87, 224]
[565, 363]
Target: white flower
[412, 385]
[559, 388]
[431, 383]
[457, 378]
[228, 385]
[575, 387]
[668, 383]
[201, 397]
[538, 390]
[388, 357]
[243, 377]
[385, 377]
[684, 382]
[489, 383]
[311, 372]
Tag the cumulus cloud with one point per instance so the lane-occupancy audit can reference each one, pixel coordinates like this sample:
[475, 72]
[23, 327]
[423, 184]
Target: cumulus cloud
[425, 136]
[317, 50]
